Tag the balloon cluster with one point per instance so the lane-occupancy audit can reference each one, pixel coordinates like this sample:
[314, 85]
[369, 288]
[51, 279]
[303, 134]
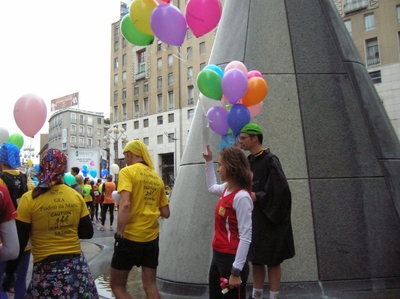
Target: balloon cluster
[240, 94]
[86, 171]
[149, 18]
[224, 285]
[104, 172]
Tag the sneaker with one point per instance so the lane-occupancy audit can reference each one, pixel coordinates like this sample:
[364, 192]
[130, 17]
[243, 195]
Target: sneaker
[97, 221]
[111, 228]
[102, 228]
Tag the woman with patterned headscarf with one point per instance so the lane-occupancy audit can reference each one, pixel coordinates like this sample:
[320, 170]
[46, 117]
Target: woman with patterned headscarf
[56, 217]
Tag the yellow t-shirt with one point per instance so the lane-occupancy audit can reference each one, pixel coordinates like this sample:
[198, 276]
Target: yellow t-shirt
[147, 197]
[54, 217]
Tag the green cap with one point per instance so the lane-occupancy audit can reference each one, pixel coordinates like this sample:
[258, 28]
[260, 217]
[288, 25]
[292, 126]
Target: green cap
[252, 129]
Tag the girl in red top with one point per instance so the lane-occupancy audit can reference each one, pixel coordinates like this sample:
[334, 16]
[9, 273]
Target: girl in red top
[232, 227]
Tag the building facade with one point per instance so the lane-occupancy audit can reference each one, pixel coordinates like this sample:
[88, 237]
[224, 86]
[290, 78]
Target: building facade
[374, 26]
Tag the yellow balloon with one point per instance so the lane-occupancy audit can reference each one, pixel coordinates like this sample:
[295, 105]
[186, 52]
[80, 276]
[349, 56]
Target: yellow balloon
[29, 162]
[140, 12]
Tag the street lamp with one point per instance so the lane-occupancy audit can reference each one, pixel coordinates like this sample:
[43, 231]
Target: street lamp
[113, 135]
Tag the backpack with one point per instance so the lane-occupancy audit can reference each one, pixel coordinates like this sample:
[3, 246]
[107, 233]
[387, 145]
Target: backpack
[17, 185]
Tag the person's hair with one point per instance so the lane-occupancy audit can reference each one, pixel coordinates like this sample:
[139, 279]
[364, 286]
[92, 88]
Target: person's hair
[98, 180]
[75, 169]
[259, 136]
[79, 179]
[91, 183]
[109, 177]
[237, 167]
[86, 181]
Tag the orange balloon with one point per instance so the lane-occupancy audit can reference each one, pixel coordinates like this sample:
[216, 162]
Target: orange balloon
[256, 91]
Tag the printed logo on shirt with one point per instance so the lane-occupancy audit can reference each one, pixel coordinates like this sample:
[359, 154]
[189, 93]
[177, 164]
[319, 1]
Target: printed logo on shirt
[221, 211]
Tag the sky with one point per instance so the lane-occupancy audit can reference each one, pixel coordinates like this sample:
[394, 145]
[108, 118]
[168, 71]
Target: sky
[52, 49]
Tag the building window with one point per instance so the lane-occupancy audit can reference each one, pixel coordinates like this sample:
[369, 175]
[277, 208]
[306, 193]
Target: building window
[116, 63]
[136, 89]
[190, 73]
[146, 86]
[190, 91]
[347, 23]
[89, 120]
[146, 141]
[372, 51]
[190, 113]
[369, 21]
[159, 43]
[202, 66]
[123, 111]
[81, 120]
[81, 131]
[115, 113]
[145, 123]
[398, 13]
[159, 64]
[170, 79]
[171, 117]
[376, 77]
[170, 60]
[189, 53]
[159, 82]
[123, 93]
[89, 131]
[159, 102]
[124, 42]
[141, 59]
[116, 79]
[89, 143]
[159, 139]
[73, 141]
[146, 106]
[136, 125]
[98, 132]
[81, 142]
[170, 100]
[115, 96]
[202, 49]
[171, 137]
[136, 108]
[124, 59]
[124, 77]
[189, 33]
[159, 120]
[116, 46]
[99, 122]
[73, 129]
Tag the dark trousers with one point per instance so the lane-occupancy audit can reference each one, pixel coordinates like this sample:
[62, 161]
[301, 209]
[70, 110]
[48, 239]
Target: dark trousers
[110, 207]
[221, 266]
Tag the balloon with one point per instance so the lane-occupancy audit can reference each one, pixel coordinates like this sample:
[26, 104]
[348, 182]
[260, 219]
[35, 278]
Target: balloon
[168, 24]
[217, 117]
[140, 12]
[101, 188]
[132, 34]
[215, 68]
[3, 135]
[29, 162]
[36, 167]
[114, 168]
[16, 139]
[84, 172]
[257, 89]
[30, 114]
[237, 117]
[116, 197]
[84, 167]
[236, 65]
[203, 15]
[69, 179]
[93, 173]
[234, 85]
[86, 191]
[207, 103]
[254, 73]
[209, 84]
[255, 109]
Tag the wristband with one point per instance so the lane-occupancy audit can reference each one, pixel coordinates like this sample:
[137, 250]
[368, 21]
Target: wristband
[235, 272]
[116, 236]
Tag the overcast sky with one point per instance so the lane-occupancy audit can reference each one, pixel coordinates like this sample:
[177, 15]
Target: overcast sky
[54, 48]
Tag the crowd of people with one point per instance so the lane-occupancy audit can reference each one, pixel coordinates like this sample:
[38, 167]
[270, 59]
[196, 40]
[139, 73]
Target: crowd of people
[251, 222]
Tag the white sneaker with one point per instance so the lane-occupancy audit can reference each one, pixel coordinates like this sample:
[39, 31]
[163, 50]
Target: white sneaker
[111, 228]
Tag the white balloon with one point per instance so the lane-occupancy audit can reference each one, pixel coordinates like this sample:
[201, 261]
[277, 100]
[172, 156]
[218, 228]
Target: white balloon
[3, 135]
[116, 197]
[114, 168]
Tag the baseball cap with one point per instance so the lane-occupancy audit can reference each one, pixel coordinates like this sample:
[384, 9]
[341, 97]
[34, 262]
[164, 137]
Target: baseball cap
[251, 129]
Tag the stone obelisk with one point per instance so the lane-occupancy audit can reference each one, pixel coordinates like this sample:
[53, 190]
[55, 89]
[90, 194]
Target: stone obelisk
[323, 118]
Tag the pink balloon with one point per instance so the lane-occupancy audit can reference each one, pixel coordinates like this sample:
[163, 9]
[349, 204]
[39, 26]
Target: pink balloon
[255, 109]
[234, 85]
[254, 73]
[236, 65]
[30, 114]
[202, 16]
[168, 24]
[218, 120]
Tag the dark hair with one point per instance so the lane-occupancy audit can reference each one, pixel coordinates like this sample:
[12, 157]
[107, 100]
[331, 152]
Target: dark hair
[237, 166]
[260, 137]
[75, 169]
[109, 177]
[98, 180]
[86, 180]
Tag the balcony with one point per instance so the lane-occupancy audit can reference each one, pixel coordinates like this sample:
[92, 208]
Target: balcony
[373, 60]
[355, 5]
[140, 75]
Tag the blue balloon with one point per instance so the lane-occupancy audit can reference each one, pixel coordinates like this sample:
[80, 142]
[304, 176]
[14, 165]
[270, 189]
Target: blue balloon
[84, 172]
[215, 68]
[93, 173]
[105, 171]
[238, 116]
[36, 167]
[85, 167]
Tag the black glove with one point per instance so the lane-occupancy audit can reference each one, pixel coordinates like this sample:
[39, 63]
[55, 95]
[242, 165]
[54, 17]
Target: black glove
[7, 282]
[119, 244]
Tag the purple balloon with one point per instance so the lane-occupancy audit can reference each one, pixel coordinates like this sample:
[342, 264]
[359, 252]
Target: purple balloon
[168, 24]
[234, 85]
[238, 116]
[218, 122]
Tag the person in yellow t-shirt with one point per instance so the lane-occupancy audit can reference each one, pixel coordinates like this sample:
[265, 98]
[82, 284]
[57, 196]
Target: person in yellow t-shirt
[87, 192]
[56, 217]
[143, 201]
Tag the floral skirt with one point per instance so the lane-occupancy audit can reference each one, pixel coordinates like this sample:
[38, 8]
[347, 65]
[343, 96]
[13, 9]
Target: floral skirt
[66, 278]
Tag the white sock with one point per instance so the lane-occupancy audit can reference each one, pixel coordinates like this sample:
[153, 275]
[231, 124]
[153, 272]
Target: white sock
[257, 293]
[272, 295]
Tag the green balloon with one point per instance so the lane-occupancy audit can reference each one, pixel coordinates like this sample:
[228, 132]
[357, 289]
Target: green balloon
[209, 84]
[134, 35]
[69, 179]
[86, 191]
[16, 139]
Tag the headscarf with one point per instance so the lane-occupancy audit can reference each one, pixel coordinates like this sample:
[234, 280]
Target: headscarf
[138, 148]
[9, 155]
[52, 168]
